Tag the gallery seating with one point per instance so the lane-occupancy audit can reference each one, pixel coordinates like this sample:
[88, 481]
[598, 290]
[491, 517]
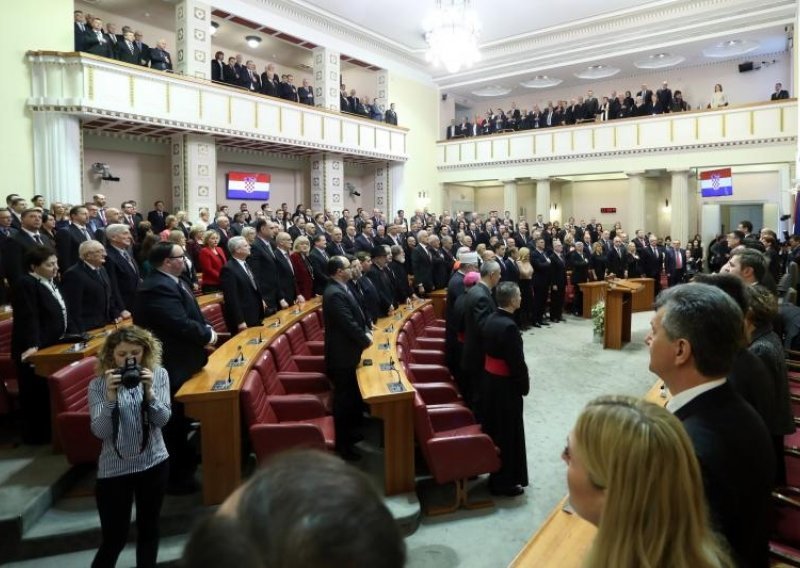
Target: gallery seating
[287, 360]
[290, 383]
[300, 345]
[214, 316]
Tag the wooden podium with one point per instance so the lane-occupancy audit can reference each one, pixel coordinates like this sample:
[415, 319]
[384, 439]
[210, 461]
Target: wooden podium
[593, 292]
[643, 300]
[619, 306]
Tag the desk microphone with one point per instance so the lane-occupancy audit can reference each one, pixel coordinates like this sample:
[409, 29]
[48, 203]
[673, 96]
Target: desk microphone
[241, 354]
[230, 372]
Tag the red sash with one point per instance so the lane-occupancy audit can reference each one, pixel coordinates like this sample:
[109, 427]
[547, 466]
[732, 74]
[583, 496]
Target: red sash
[496, 366]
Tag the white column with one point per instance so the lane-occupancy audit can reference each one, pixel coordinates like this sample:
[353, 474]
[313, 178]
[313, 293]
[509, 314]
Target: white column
[327, 183]
[327, 69]
[193, 40]
[57, 157]
[510, 198]
[636, 199]
[382, 190]
[785, 186]
[679, 205]
[194, 174]
[397, 190]
[710, 223]
[542, 199]
[382, 89]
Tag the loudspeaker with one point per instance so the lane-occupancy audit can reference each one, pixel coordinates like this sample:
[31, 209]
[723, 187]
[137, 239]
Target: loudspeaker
[744, 67]
[444, 96]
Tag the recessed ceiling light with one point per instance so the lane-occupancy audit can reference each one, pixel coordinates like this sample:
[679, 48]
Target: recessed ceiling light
[731, 48]
[541, 82]
[253, 41]
[597, 72]
[492, 91]
[659, 61]
[213, 29]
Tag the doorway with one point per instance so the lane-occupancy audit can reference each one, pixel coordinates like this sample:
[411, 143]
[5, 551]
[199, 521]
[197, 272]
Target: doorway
[732, 215]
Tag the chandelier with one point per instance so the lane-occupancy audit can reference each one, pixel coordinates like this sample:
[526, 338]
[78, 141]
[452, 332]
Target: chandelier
[452, 35]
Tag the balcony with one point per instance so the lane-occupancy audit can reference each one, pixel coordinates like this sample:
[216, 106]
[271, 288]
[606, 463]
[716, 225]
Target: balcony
[759, 123]
[118, 97]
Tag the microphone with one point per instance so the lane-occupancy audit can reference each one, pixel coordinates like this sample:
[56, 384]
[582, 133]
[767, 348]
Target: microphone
[230, 372]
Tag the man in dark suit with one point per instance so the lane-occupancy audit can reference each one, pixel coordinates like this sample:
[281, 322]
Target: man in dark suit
[287, 287]
[249, 78]
[95, 40]
[391, 115]
[780, 93]
[653, 262]
[456, 289]
[541, 281]
[127, 52]
[230, 74]
[168, 309]
[617, 258]
[243, 306]
[664, 96]
[120, 266]
[263, 262]
[288, 89]
[579, 264]
[91, 299]
[144, 49]
[365, 241]
[319, 262]
[344, 102]
[695, 335]
[270, 83]
[18, 244]
[306, 93]
[79, 29]
[647, 97]
[422, 265]
[346, 336]
[349, 240]
[336, 246]
[157, 217]
[159, 56]
[675, 263]
[70, 237]
[380, 275]
[218, 67]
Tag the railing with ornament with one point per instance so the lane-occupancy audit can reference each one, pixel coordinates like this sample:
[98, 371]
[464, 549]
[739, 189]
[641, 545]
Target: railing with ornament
[91, 86]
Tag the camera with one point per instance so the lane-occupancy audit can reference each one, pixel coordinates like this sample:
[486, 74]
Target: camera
[131, 373]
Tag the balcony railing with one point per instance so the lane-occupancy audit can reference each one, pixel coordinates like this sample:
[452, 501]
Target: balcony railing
[760, 123]
[91, 86]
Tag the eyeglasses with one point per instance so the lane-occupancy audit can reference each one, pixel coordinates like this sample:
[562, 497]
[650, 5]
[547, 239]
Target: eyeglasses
[183, 256]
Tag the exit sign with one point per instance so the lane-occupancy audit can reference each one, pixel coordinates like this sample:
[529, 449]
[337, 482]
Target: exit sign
[608, 210]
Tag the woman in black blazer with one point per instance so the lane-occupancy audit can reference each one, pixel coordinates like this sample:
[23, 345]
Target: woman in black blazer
[597, 262]
[634, 263]
[40, 320]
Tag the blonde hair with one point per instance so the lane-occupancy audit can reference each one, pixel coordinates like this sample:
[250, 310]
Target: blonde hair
[654, 513]
[301, 240]
[524, 254]
[207, 236]
[151, 348]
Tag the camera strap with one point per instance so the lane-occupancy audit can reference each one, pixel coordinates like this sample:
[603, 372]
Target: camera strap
[145, 420]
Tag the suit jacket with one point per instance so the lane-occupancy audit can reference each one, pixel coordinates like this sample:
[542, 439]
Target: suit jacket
[737, 463]
[382, 280]
[14, 249]
[251, 83]
[337, 249]
[670, 260]
[125, 54]
[230, 74]
[144, 51]
[782, 94]
[90, 298]
[541, 268]
[363, 243]
[422, 268]
[79, 33]
[319, 263]
[172, 314]
[124, 276]
[217, 70]
[616, 263]
[160, 59]
[263, 263]
[243, 302]
[306, 95]
[478, 306]
[93, 45]
[652, 262]
[303, 275]
[68, 240]
[288, 92]
[580, 267]
[344, 103]
[391, 117]
[156, 219]
[345, 328]
[287, 287]
[38, 318]
[270, 85]
[558, 270]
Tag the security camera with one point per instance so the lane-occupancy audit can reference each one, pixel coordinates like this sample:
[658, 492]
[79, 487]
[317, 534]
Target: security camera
[104, 171]
[355, 193]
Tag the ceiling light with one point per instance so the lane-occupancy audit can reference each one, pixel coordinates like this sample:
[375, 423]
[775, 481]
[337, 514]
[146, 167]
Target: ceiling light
[731, 48]
[213, 29]
[452, 33]
[253, 41]
[597, 72]
[659, 61]
[541, 82]
[492, 91]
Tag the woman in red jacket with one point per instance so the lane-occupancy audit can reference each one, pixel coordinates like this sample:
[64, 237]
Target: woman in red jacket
[211, 259]
[303, 271]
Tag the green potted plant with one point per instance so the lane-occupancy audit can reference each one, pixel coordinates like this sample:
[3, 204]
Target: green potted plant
[599, 319]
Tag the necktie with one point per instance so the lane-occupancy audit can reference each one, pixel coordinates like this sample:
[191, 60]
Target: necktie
[678, 260]
[86, 236]
[130, 46]
[288, 261]
[130, 262]
[249, 274]
[37, 238]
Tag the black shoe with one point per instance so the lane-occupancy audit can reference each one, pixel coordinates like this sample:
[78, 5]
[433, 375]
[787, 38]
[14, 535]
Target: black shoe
[513, 491]
[349, 455]
[185, 486]
[544, 323]
[536, 325]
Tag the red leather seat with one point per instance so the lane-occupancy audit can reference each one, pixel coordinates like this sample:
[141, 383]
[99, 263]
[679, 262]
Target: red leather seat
[433, 383]
[406, 353]
[418, 321]
[417, 342]
[286, 360]
[429, 316]
[792, 466]
[289, 383]
[312, 328]
[301, 345]
[784, 545]
[9, 389]
[70, 401]
[214, 316]
[455, 449]
[276, 424]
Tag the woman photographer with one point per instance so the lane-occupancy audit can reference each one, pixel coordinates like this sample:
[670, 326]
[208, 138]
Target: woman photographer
[129, 404]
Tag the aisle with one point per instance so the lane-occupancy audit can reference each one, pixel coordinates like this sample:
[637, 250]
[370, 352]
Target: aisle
[567, 370]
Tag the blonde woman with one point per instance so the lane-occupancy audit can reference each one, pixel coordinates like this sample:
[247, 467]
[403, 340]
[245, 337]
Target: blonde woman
[211, 259]
[170, 224]
[526, 288]
[632, 472]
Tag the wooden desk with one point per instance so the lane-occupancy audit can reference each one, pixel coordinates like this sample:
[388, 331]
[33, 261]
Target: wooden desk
[439, 300]
[51, 359]
[218, 411]
[564, 538]
[6, 312]
[643, 300]
[206, 299]
[396, 409]
[593, 292]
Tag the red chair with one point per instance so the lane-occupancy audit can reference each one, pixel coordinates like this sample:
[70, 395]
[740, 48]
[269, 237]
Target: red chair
[454, 448]
[289, 383]
[70, 402]
[429, 317]
[214, 316]
[784, 546]
[405, 351]
[281, 423]
[418, 321]
[9, 388]
[301, 345]
[433, 383]
[286, 360]
[312, 328]
[417, 342]
[792, 466]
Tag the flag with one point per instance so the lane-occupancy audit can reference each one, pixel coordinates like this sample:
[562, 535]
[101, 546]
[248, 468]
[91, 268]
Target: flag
[716, 183]
[244, 185]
